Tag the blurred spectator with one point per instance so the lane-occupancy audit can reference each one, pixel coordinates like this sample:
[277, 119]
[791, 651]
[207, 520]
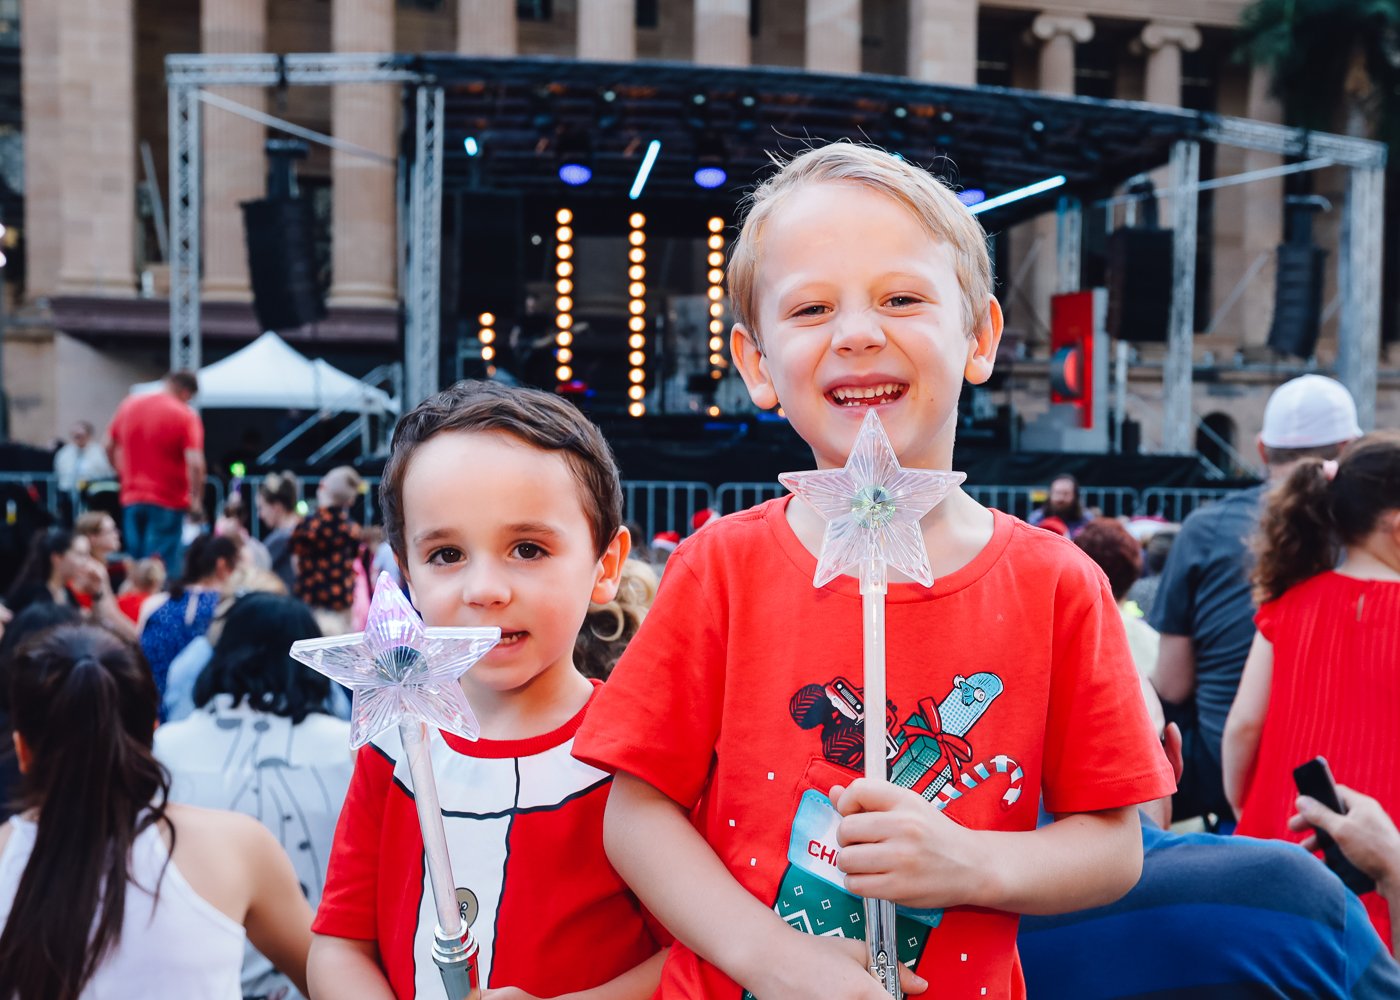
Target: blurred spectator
[1063, 503]
[1156, 547]
[325, 546]
[146, 579]
[1118, 554]
[608, 628]
[60, 569]
[1053, 523]
[1203, 608]
[156, 443]
[81, 461]
[104, 541]
[233, 521]
[30, 622]
[277, 506]
[261, 742]
[170, 621]
[1322, 675]
[1211, 917]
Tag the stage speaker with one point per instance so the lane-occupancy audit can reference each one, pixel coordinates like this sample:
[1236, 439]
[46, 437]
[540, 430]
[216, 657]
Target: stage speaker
[490, 230]
[1139, 284]
[1297, 299]
[279, 234]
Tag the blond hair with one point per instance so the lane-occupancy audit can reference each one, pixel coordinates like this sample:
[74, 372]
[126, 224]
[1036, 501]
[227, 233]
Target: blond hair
[342, 485]
[935, 206]
[607, 628]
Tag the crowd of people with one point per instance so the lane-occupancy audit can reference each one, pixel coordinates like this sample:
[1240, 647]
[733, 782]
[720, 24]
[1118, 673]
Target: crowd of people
[658, 733]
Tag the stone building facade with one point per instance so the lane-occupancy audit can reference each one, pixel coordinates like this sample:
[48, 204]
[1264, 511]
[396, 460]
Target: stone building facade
[91, 316]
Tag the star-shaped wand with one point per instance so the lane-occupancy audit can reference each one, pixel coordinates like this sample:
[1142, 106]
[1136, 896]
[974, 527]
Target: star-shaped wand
[403, 672]
[872, 509]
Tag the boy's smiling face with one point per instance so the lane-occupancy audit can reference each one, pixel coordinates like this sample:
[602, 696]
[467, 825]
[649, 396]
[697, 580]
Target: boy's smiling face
[857, 305]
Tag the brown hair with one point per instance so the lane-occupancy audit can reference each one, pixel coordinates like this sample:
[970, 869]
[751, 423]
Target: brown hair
[935, 206]
[1116, 551]
[85, 703]
[1308, 518]
[185, 381]
[537, 418]
[280, 488]
[608, 628]
[90, 522]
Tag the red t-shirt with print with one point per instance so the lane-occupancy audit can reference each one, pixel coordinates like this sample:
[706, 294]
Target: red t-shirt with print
[524, 822]
[740, 698]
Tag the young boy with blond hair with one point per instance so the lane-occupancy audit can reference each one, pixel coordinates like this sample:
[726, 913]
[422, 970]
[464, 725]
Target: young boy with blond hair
[733, 722]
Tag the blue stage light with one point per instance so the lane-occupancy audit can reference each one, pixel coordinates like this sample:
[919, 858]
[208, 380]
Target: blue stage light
[575, 174]
[972, 196]
[470, 144]
[711, 177]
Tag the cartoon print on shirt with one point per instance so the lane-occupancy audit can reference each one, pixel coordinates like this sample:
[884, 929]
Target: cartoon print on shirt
[928, 753]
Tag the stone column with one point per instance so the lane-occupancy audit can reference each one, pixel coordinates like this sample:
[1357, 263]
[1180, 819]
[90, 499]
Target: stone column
[1262, 224]
[97, 168]
[943, 41]
[722, 33]
[1164, 41]
[43, 147]
[363, 257]
[235, 166]
[607, 30]
[833, 36]
[1058, 36]
[487, 28]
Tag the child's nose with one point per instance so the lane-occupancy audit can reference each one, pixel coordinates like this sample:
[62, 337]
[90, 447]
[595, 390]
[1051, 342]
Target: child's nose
[485, 586]
[857, 330]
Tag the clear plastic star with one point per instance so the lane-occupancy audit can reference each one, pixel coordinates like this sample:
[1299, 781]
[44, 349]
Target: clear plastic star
[398, 668]
[872, 508]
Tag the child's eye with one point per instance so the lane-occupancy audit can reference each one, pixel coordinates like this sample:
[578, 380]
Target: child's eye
[816, 309]
[529, 551]
[902, 301]
[444, 556]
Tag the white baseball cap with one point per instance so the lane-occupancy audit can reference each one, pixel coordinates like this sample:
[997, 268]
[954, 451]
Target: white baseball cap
[1309, 411]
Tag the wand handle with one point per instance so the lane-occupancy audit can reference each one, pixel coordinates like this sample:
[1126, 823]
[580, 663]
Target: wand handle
[879, 913]
[454, 949]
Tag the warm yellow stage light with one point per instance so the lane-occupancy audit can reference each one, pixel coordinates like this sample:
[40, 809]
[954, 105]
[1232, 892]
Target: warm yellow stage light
[563, 321]
[636, 391]
[636, 340]
[715, 258]
[563, 217]
[716, 224]
[636, 272]
[716, 308]
[714, 411]
[487, 353]
[636, 220]
[636, 376]
[636, 409]
[487, 336]
[563, 269]
[564, 304]
[487, 319]
[716, 276]
[636, 237]
[716, 359]
[636, 307]
[563, 373]
[563, 234]
[716, 242]
[637, 289]
[564, 251]
[716, 326]
[715, 293]
[636, 359]
[637, 323]
[716, 344]
[564, 339]
[563, 286]
[564, 355]
[636, 255]
[716, 374]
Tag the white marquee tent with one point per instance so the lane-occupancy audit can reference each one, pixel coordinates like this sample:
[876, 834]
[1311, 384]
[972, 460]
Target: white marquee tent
[270, 374]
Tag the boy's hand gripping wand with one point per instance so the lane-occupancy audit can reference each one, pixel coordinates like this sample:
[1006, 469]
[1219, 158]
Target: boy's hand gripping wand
[403, 672]
[872, 509]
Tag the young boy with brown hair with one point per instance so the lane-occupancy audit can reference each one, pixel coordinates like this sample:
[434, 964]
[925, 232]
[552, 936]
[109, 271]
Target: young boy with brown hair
[733, 721]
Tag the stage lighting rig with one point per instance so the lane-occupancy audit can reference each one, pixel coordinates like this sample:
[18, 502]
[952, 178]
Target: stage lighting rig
[564, 300]
[636, 314]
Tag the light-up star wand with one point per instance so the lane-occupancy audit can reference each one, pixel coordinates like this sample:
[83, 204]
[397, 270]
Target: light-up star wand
[403, 672]
[872, 509]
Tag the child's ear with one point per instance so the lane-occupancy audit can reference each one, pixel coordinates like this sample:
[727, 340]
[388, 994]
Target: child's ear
[982, 350]
[753, 367]
[610, 567]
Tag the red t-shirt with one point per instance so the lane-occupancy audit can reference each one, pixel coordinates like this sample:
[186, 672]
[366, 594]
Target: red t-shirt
[524, 824]
[153, 432]
[740, 699]
[1335, 692]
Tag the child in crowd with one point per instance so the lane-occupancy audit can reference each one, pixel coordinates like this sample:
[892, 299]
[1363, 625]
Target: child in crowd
[1321, 676]
[610, 627]
[733, 722]
[324, 548]
[503, 508]
[146, 579]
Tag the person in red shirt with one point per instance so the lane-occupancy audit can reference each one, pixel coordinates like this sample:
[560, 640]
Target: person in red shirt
[156, 444]
[733, 720]
[503, 509]
[1321, 677]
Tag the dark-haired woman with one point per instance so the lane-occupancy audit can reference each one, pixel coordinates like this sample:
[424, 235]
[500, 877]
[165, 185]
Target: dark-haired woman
[261, 742]
[169, 622]
[1323, 675]
[57, 570]
[169, 892]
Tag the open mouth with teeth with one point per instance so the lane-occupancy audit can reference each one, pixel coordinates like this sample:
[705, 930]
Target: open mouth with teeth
[511, 638]
[866, 395]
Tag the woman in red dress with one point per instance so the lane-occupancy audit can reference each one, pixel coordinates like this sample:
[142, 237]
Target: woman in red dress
[1323, 675]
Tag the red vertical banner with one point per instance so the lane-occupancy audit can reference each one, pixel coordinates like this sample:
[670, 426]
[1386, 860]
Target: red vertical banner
[1072, 352]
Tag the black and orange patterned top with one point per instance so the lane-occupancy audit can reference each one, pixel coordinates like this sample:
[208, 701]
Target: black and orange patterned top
[325, 546]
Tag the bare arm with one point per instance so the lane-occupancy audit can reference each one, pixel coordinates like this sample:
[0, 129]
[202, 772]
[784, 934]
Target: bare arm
[279, 918]
[678, 876]
[194, 465]
[1175, 678]
[894, 845]
[344, 967]
[1246, 721]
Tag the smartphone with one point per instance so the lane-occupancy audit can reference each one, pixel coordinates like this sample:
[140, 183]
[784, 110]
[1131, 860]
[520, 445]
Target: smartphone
[1314, 778]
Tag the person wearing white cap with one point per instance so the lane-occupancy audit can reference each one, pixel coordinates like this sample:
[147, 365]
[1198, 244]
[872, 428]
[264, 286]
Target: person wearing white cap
[1203, 607]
